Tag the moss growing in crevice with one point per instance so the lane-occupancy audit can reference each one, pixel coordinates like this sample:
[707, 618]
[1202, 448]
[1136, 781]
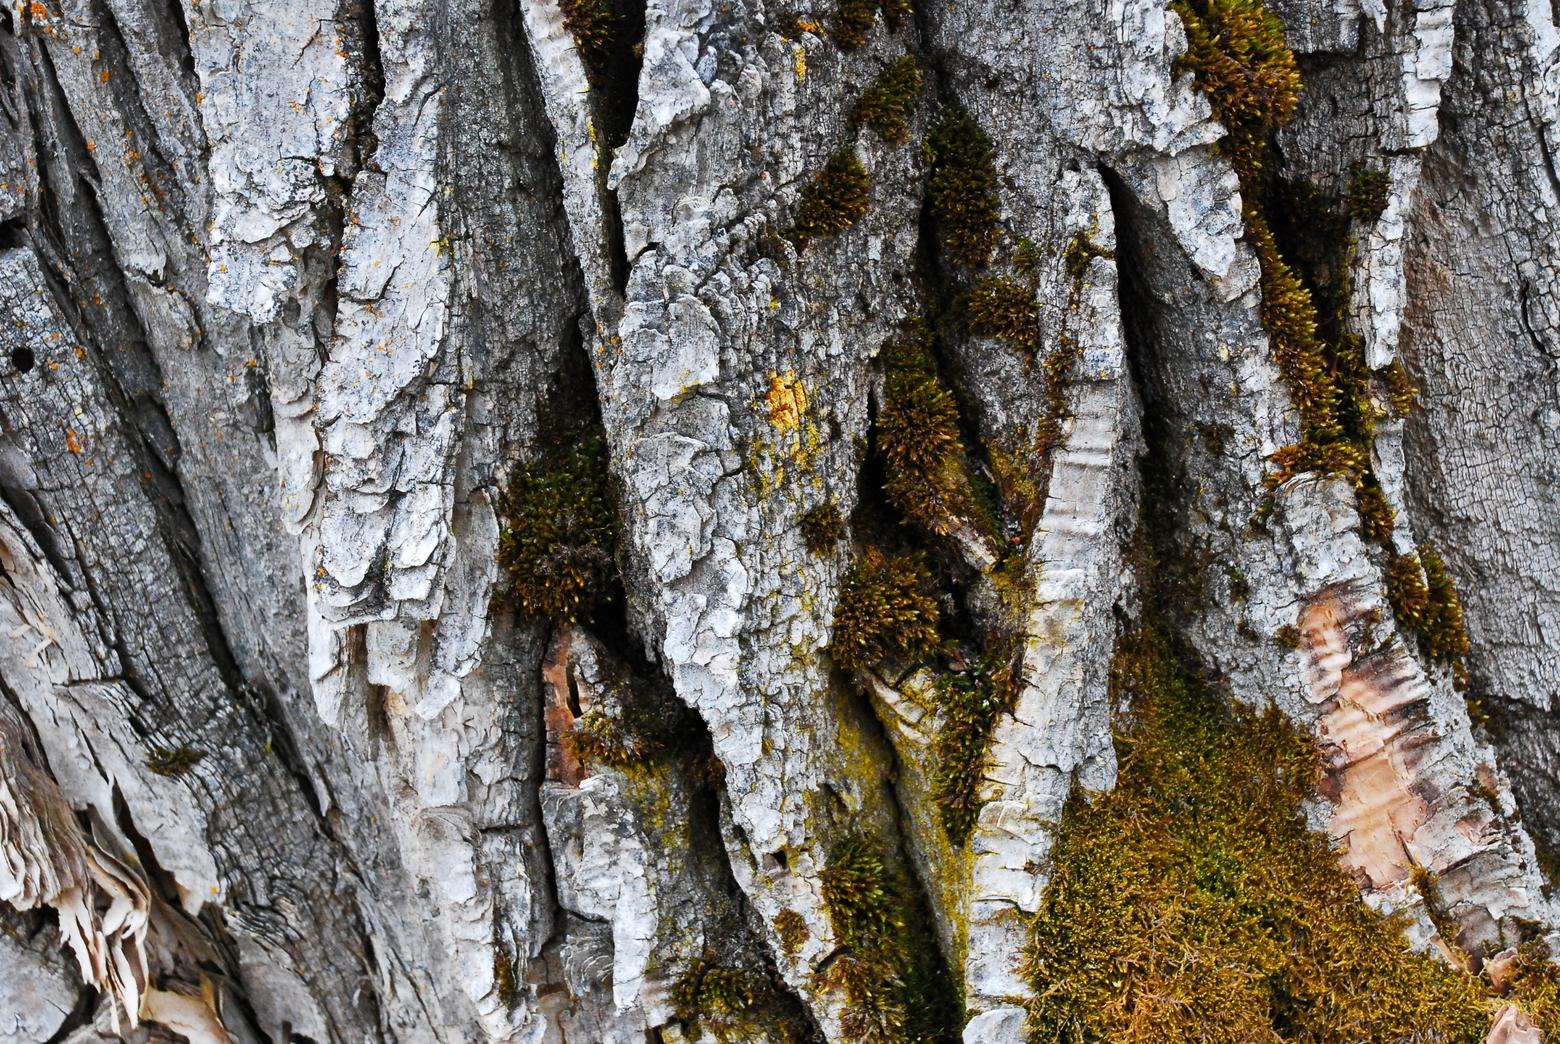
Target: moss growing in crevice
[835, 200]
[1369, 188]
[1193, 902]
[1005, 309]
[888, 963]
[887, 612]
[1424, 599]
[556, 545]
[885, 106]
[173, 761]
[853, 20]
[972, 700]
[962, 187]
[823, 527]
[1535, 987]
[609, 35]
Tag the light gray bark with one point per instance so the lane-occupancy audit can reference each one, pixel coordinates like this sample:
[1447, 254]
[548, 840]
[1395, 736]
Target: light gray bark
[287, 291]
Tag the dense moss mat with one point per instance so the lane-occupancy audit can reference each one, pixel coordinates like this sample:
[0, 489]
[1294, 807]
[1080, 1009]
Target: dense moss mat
[1192, 903]
[887, 611]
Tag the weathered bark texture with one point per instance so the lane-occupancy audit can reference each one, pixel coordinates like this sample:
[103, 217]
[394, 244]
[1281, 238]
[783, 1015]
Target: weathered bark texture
[289, 291]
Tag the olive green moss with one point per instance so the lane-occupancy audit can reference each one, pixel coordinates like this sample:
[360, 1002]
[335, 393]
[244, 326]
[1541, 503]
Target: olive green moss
[887, 103]
[928, 477]
[835, 200]
[823, 527]
[791, 927]
[972, 701]
[645, 724]
[1079, 255]
[1192, 902]
[853, 20]
[715, 997]
[1368, 192]
[962, 188]
[888, 963]
[1535, 987]
[1424, 599]
[173, 761]
[556, 544]
[887, 611]
[1005, 309]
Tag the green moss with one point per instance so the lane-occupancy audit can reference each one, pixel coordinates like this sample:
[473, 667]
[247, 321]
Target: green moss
[888, 964]
[1287, 636]
[836, 199]
[1424, 599]
[887, 611]
[972, 701]
[927, 474]
[173, 761]
[823, 527]
[1192, 902]
[714, 996]
[1027, 258]
[792, 929]
[646, 724]
[1368, 192]
[557, 539]
[1002, 308]
[886, 105]
[1535, 986]
[854, 19]
[962, 188]
[1400, 388]
[1080, 254]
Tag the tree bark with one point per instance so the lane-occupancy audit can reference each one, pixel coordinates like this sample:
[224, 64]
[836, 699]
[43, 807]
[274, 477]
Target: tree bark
[292, 293]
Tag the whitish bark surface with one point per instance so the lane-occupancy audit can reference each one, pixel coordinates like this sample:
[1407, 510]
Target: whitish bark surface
[288, 291]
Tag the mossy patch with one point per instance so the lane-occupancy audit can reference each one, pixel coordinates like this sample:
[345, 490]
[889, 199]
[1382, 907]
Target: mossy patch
[972, 701]
[835, 200]
[173, 761]
[962, 188]
[823, 527]
[791, 927]
[1424, 599]
[854, 19]
[887, 611]
[1005, 309]
[556, 545]
[1369, 189]
[885, 106]
[888, 963]
[1192, 902]
[1535, 986]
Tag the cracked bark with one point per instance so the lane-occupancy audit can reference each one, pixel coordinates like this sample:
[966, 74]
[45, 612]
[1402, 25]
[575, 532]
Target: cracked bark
[289, 291]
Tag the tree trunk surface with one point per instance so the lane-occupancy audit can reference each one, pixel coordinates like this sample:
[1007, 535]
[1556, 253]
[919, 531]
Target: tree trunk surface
[577, 523]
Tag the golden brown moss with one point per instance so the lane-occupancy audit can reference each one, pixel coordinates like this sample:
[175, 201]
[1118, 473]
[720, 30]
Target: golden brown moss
[887, 611]
[1535, 986]
[1193, 903]
[1002, 308]
[823, 527]
[853, 20]
[173, 761]
[972, 701]
[963, 187]
[792, 929]
[835, 200]
[1424, 599]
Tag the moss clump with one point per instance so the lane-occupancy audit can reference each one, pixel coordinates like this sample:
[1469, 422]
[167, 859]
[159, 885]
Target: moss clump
[854, 19]
[1424, 599]
[963, 187]
[972, 701]
[1080, 254]
[173, 761]
[1002, 308]
[557, 540]
[1368, 192]
[601, 30]
[792, 929]
[886, 104]
[887, 611]
[1535, 986]
[1193, 903]
[836, 199]
[823, 527]
[888, 964]
[928, 478]
[715, 996]
[506, 975]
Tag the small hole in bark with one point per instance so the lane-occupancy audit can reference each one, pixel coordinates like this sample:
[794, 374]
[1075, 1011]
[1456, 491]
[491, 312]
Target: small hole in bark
[22, 359]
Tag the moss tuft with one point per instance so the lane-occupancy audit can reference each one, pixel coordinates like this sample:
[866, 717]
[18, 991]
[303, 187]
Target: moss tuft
[506, 975]
[887, 611]
[928, 478]
[885, 106]
[1424, 599]
[963, 187]
[1192, 902]
[714, 996]
[1535, 986]
[792, 929]
[173, 761]
[557, 539]
[836, 199]
[896, 987]
[1002, 308]
[1368, 192]
[823, 527]
[854, 19]
[972, 701]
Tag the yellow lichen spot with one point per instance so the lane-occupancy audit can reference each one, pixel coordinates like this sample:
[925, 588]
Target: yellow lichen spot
[787, 399]
[800, 62]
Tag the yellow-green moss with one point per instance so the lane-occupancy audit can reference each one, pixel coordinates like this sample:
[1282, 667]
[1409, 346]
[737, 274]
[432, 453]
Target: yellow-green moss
[506, 975]
[1424, 599]
[1535, 986]
[823, 527]
[887, 611]
[1193, 903]
[963, 187]
[888, 964]
[886, 104]
[835, 200]
[1002, 308]
[557, 540]
[173, 761]
[971, 701]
